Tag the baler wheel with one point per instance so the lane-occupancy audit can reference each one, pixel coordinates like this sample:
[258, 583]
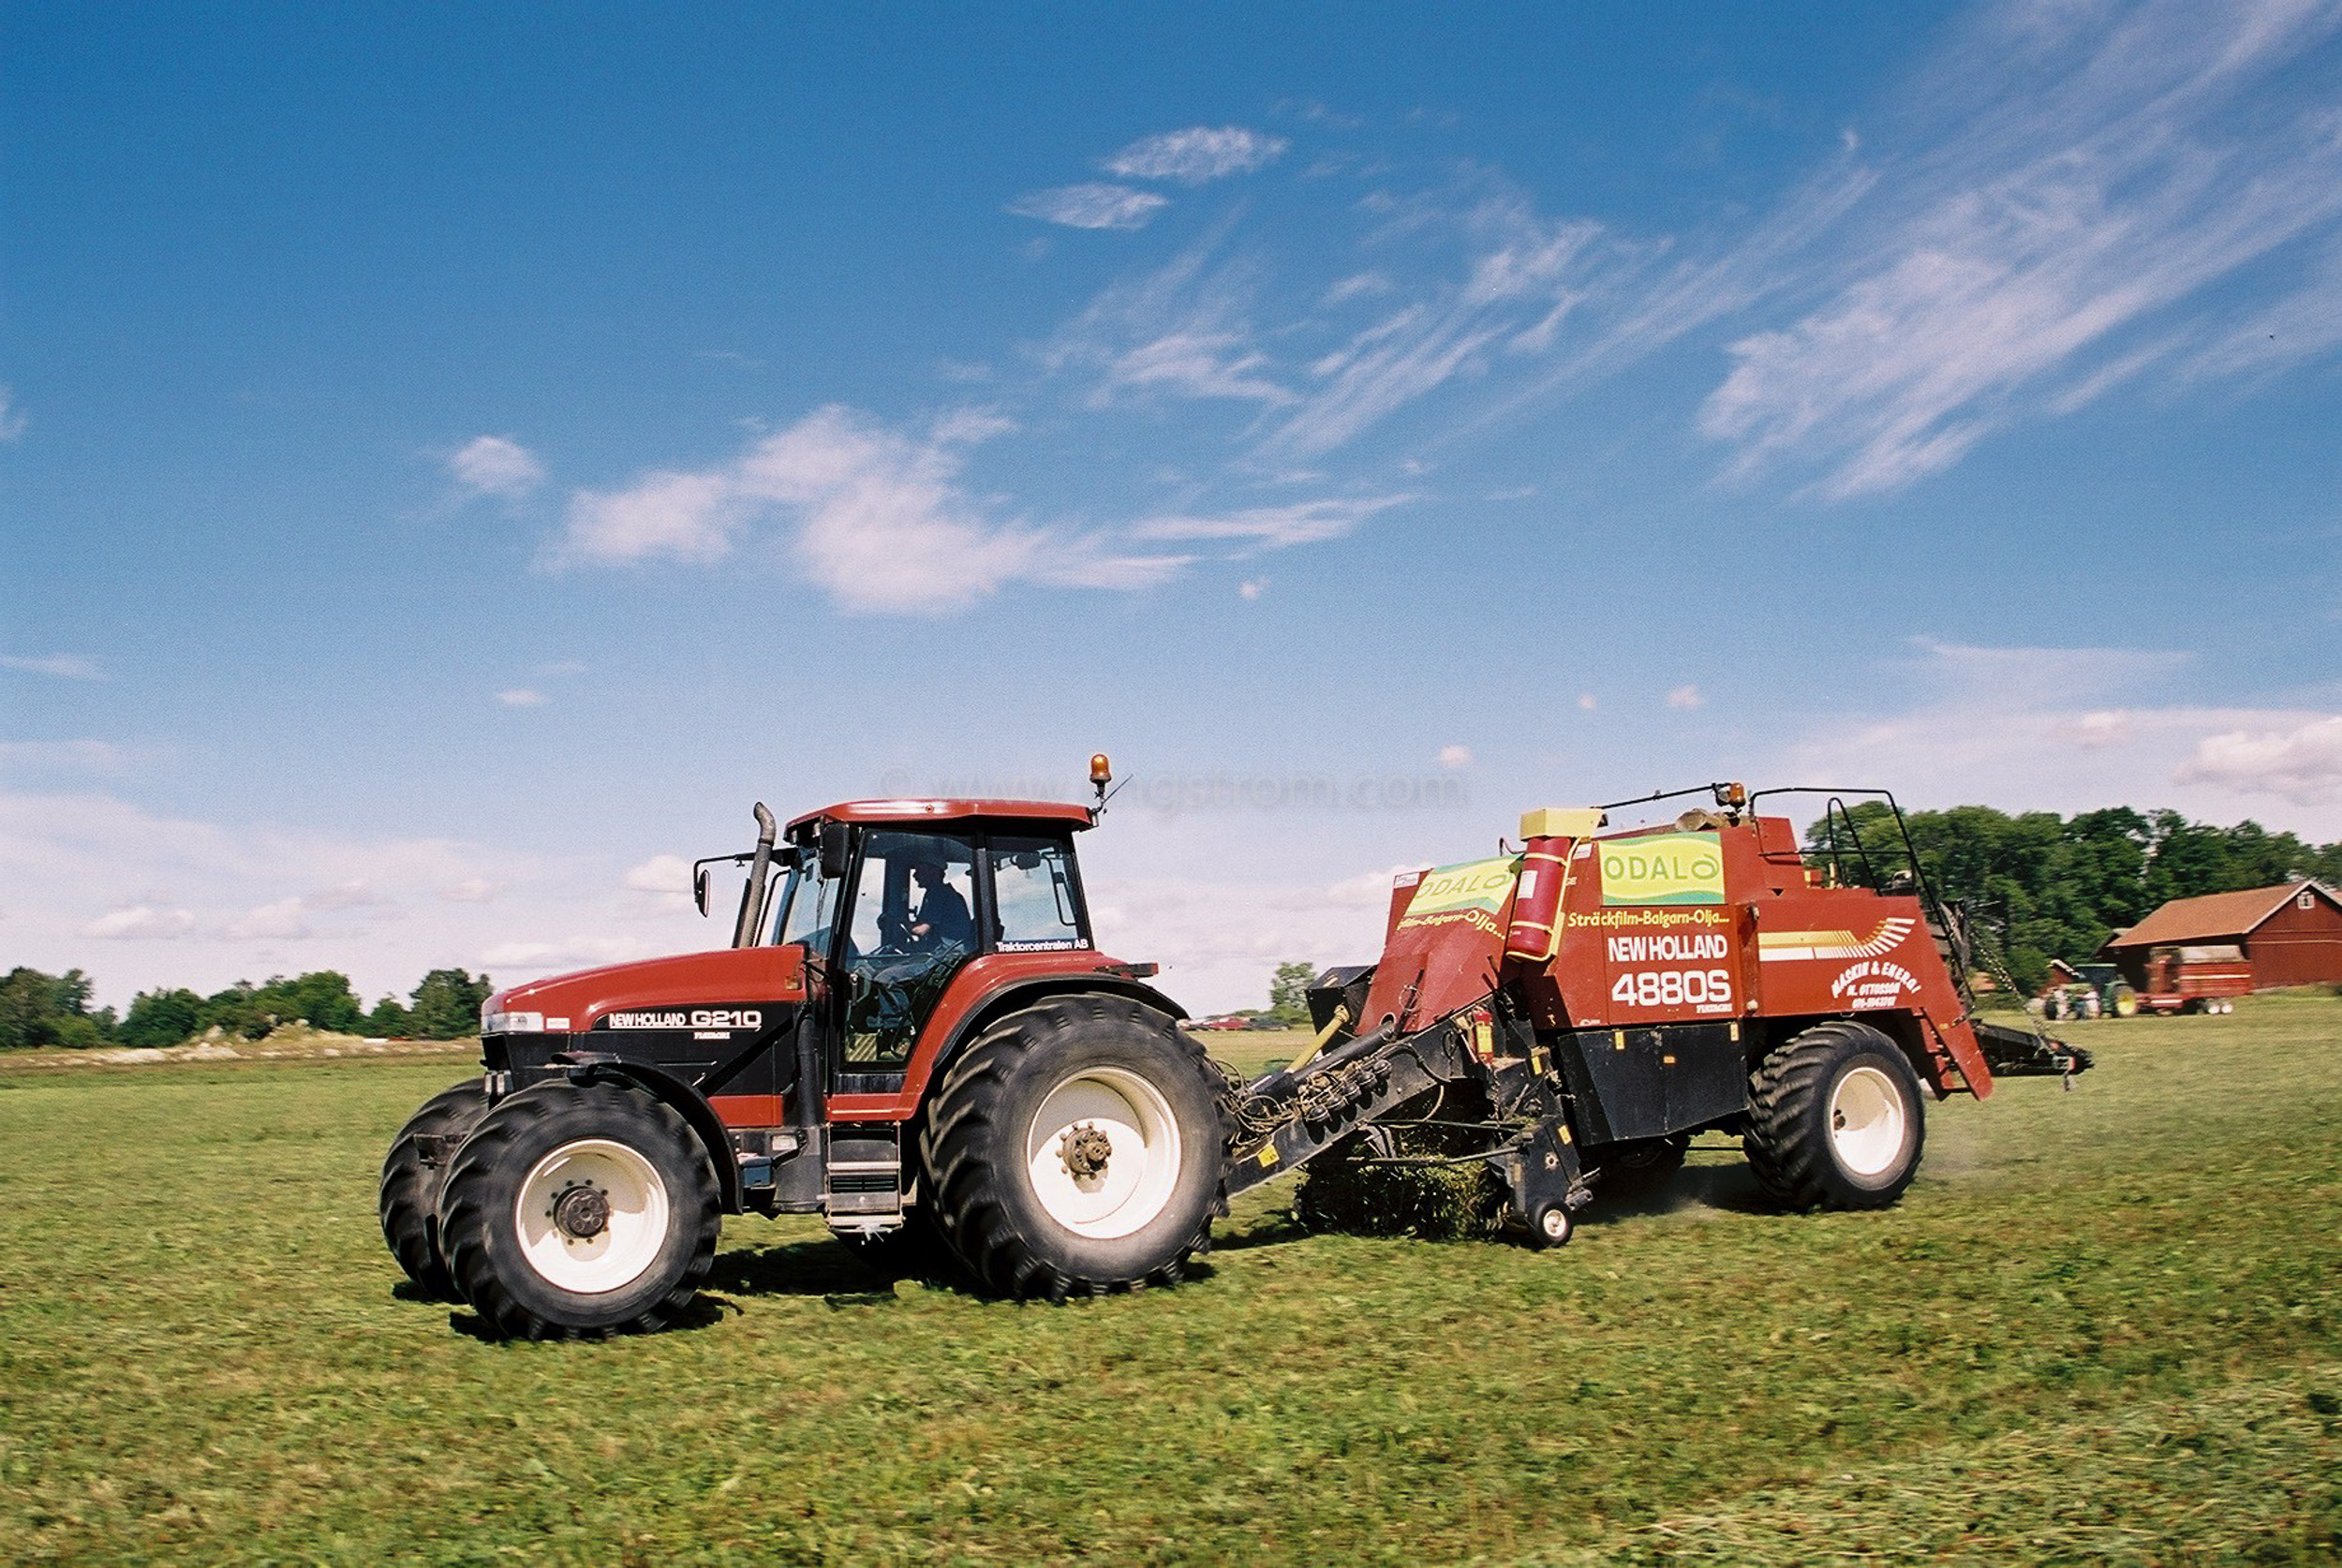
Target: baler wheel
[1075, 1148]
[579, 1211]
[409, 1199]
[1550, 1226]
[1641, 1167]
[1835, 1119]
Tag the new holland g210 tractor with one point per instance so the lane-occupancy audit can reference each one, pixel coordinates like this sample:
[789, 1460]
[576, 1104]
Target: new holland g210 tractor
[914, 1033]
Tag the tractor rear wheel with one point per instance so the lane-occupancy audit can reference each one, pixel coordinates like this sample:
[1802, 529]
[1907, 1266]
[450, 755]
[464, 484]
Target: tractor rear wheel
[1835, 1119]
[408, 1198]
[1076, 1147]
[579, 1210]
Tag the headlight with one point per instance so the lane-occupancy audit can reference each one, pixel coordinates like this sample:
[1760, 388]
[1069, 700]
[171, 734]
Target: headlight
[511, 1023]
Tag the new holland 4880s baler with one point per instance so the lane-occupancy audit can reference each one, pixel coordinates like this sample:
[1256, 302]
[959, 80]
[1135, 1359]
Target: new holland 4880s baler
[913, 1034]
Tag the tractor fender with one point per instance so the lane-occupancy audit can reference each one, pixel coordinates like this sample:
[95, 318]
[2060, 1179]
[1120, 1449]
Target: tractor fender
[587, 1067]
[1011, 995]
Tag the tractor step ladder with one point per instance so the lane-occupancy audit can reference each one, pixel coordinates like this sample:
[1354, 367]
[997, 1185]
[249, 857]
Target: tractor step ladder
[864, 1180]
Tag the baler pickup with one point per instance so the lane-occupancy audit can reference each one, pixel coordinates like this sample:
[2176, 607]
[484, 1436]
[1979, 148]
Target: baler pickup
[2022, 1054]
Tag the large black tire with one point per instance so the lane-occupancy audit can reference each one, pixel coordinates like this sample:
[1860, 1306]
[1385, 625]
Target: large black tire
[578, 1211]
[1077, 1147]
[1639, 1168]
[410, 1194]
[1835, 1119]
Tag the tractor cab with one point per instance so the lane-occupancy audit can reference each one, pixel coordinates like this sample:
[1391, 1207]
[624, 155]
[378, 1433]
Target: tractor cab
[896, 907]
[902, 906]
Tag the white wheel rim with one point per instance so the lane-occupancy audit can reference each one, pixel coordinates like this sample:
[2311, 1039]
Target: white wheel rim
[632, 1230]
[1866, 1121]
[1102, 1191]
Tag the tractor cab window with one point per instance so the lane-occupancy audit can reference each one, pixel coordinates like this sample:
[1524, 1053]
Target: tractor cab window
[809, 907]
[1036, 907]
[911, 925]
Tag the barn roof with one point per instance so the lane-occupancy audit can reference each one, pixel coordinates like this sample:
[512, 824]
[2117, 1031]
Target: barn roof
[2214, 914]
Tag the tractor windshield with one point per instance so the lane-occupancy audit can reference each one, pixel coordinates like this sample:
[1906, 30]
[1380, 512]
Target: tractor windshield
[807, 906]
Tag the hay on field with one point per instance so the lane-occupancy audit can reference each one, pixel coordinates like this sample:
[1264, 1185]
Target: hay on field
[1341, 1191]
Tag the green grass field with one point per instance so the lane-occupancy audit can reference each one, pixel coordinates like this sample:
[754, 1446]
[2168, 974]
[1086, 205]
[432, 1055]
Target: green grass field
[2105, 1327]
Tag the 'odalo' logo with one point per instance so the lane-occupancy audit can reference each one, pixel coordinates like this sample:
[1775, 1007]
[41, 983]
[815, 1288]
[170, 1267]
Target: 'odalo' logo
[1663, 868]
[1453, 890]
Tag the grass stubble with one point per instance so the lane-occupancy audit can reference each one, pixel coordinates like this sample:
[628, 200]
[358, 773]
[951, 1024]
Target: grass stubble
[2104, 1327]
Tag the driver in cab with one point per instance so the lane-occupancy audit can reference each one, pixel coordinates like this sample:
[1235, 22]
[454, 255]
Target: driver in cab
[942, 920]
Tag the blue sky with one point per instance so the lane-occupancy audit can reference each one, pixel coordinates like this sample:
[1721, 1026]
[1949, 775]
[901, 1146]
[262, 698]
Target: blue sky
[452, 462]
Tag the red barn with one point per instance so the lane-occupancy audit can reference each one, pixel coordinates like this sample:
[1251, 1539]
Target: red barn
[2292, 935]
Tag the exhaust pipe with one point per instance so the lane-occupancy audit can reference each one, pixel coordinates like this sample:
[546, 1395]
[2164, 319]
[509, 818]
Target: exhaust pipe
[752, 896]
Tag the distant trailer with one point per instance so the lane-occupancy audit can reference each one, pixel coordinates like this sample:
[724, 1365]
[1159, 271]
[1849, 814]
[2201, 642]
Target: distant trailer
[2196, 979]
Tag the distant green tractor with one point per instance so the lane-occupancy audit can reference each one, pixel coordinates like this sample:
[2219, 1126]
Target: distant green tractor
[2095, 991]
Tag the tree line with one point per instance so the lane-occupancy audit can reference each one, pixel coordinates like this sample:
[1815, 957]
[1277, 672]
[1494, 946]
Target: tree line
[54, 1011]
[2048, 887]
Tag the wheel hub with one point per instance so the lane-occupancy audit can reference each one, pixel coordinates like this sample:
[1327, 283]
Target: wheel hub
[1085, 1150]
[582, 1212]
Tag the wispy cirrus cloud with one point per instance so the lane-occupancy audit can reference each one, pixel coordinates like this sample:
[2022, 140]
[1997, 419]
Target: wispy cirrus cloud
[64, 666]
[1092, 205]
[2098, 172]
[12, 421]
[1197, 154]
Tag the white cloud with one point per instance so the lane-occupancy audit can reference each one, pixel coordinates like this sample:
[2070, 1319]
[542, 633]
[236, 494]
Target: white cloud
[686, 517]
[666, 874]
[2302, 764]
[521, 697]
[574, 952]
[1090, 206]
[471, 889]
[2003, 727]
[1685, 697]
[65, 667]
[1270, 527]
[497, 466]
[1252, 587]
[2005, 270]
[11, 422]
[355, 893]
[1455, 757]
[1180, 330]
[1198, 154]
[282, 919]
[879, 520]
[1517, 280]
[142, 922]
[1586, 701]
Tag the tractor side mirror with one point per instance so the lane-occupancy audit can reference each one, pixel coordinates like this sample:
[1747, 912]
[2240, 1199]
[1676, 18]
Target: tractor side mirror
[699, 890]
[836, 851]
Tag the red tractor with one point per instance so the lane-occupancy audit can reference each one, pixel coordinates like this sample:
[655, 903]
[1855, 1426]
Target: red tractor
[914, 1032]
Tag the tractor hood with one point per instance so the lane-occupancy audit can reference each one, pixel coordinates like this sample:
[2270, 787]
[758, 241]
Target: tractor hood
[573, 1003]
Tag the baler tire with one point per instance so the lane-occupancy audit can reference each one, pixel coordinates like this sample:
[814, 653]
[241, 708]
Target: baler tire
[1550, 1226]
[1835, 1119]
[407, 1200]
[519, 1266]
[1641, 1167]
[1003, 1189]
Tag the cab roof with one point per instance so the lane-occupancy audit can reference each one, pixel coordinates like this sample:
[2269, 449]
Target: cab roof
[897, 812]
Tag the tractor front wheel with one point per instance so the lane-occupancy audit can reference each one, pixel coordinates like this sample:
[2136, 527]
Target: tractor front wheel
[1076, 1149]
[579, 1210]
[1835, 1119]
[409, 1199]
